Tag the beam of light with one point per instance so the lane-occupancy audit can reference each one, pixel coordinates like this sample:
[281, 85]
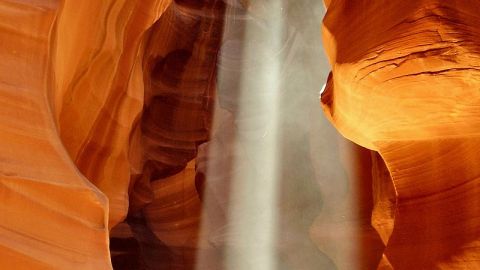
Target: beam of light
[253, 213]
[241, 216]
[251, 222]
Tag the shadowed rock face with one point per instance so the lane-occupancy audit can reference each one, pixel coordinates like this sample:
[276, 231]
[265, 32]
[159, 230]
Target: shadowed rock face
[179, 64]
[180, 70]
[406, 86]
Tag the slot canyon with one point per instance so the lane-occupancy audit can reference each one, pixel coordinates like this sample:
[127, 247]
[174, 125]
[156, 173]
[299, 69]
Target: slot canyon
[239, 134]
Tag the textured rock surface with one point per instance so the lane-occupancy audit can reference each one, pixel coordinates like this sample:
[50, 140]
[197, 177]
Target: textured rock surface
[52, 216]
[98, 87]
[80, 75]
[406, 85]
[180, 67]
[71, 85]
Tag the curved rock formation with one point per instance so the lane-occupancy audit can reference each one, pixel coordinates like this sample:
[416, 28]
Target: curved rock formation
[406, 86]
[83, 74]
[179, 64]
[98, 87]
[74, 94]
[52, 216]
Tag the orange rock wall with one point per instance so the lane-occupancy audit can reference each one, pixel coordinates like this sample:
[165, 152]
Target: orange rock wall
[76, 78]
[406, 85]
[98, 87]
[72, 89]
[52, 216]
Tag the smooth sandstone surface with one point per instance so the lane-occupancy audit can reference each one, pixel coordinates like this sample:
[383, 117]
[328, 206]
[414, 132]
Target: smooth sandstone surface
[71, 87]
[52, 216]
[406, 86]
[98, 87]
[76, 76]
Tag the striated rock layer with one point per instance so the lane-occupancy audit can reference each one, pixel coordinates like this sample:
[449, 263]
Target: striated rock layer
[71, 90]
[98, 86]
[99, 98]
[406, 86]
[52, 216]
